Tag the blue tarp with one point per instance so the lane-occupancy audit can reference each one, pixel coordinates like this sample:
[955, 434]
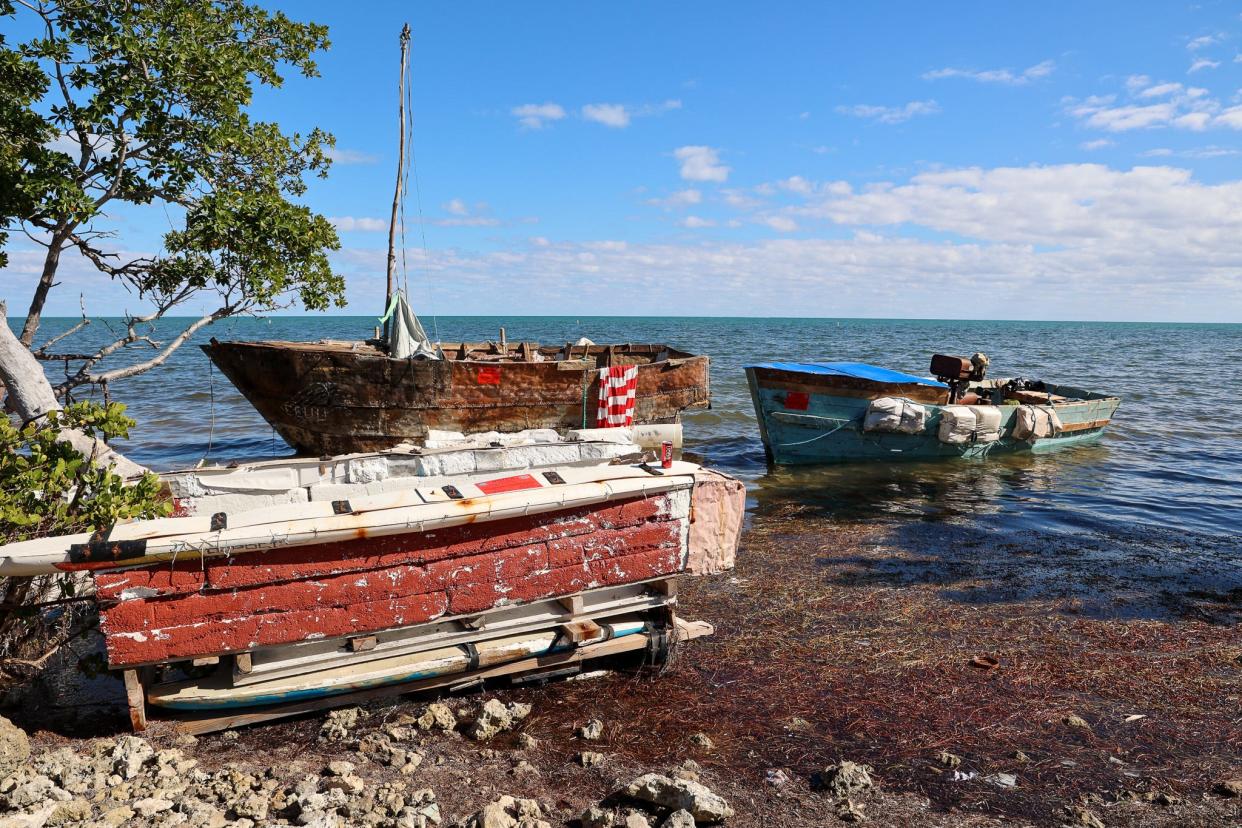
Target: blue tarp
[858, 370]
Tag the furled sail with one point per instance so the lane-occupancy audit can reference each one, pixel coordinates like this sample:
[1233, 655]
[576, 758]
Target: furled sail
[406, 337]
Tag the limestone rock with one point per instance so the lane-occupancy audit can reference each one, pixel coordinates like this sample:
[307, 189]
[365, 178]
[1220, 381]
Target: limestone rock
[495, 717]
[148, 807]
[1085, 818]
[437, 716]
[850, 811]
[845, 779]
[591, 731]
[679, 819]
[636, 819]
[702, 740]
[525, 741]
[69, 813]
[117, 816]
[679, 794]
[596, 817]
[129, 755]
[339, 767]
[340, 723]
[1075, 721]
[14, 748]
[255, 806]
[590, 758]
[31, 791]
[949, 760]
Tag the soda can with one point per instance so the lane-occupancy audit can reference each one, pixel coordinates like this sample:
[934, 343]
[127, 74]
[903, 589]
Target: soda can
[666, 454]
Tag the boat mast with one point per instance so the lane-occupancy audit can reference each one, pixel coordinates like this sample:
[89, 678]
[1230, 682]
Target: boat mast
[396, 198]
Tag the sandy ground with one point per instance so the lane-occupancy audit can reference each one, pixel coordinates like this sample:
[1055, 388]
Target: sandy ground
[984, 680]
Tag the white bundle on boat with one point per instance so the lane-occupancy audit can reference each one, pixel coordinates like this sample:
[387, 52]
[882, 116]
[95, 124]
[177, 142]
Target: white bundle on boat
[963, 424]
[1035, 422]
[894, 414]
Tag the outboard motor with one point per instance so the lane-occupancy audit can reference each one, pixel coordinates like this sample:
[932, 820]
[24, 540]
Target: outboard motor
[959, 372]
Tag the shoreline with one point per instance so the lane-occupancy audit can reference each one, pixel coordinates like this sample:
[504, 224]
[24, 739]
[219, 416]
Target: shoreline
[974, 691]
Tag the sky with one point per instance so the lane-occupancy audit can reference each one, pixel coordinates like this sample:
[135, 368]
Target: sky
[1054, 160]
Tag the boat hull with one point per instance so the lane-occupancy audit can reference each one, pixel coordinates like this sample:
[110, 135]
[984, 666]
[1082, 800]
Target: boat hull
[328, 398]
[825, 423]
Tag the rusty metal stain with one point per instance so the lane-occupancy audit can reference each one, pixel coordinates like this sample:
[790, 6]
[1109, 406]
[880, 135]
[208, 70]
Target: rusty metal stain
[337, 398]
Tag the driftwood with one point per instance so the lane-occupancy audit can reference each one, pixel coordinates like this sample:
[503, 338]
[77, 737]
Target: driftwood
[30, 396]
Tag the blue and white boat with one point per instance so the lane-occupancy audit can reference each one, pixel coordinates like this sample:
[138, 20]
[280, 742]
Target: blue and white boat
[829, 412]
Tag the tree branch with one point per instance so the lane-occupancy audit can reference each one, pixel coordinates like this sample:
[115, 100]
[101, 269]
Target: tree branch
[31, 396]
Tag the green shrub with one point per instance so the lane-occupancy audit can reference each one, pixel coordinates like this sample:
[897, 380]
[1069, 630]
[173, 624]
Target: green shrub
[47, 487]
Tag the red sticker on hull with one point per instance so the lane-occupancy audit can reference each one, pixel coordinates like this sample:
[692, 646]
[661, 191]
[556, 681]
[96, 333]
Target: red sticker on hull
[508, 484]
[489, 375]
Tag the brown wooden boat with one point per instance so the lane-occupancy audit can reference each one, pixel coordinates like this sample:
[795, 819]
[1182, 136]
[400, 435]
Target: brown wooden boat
[336, 397]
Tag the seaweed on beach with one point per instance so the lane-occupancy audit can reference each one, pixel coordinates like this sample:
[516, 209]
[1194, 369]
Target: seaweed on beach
[1017, 679]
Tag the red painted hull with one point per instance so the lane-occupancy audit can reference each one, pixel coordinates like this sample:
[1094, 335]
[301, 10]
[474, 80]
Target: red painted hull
[214, 606]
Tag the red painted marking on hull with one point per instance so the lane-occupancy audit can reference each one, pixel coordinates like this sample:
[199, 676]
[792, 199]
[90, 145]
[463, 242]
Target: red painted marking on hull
[509, 484]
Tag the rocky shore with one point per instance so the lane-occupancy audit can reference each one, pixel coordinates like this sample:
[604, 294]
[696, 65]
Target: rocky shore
[853, 678]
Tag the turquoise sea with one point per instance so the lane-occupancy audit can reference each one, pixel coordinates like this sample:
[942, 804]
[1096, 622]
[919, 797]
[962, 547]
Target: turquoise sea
[1166, 480]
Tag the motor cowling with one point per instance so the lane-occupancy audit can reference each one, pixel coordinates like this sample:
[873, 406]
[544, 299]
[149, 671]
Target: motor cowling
[958, 372]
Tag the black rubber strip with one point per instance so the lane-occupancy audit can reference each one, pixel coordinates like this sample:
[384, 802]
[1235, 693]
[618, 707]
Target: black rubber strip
[473, 652]
[341, 507]
[97, 551]
[553, 477]
[219, 521]
[453, 492]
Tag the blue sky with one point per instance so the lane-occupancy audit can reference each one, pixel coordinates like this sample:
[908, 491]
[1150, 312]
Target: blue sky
[979, 160]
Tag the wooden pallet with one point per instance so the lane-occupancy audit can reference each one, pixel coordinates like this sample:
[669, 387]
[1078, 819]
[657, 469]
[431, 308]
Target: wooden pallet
[201, 724]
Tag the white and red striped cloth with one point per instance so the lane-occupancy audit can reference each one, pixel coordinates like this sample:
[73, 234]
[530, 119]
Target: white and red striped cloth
[618, 386]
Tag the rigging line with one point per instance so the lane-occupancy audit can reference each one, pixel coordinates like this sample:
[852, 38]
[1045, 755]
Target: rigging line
[418, 195]
[407, 139]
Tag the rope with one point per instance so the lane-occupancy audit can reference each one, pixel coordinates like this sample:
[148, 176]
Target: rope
[211, 431]
[844, 423]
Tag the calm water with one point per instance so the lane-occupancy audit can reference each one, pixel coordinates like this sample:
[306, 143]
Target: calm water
[1168, 472]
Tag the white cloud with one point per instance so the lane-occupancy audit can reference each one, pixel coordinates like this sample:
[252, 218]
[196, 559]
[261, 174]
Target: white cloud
[796, 184]
[890, 114]
[1205, 40]
[534, 116]
[1004, 76]
[1064, 241]
[1155, 105]
[1039, 242]
[610, 115]
[618, 116]
[696, 223]
[362, 224]
[1194, 152]
[348, 156]
[680, 198]
[782, 224]
[1202, 63]
[461, 214]
[1098, 144]
[699, 163]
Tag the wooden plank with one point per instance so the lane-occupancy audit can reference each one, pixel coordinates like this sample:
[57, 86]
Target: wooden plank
[136, 699]
[242, 663]
[212, 724]
[362, 643]
[571, 603]
[578, 631]
[666, 587]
